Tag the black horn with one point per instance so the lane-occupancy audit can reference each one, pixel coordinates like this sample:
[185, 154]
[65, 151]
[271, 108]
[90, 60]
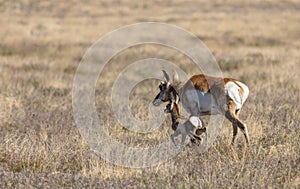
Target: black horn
[166, 76]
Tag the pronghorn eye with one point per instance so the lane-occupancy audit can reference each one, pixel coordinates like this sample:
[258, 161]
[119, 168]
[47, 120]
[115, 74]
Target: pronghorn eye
[162, 86]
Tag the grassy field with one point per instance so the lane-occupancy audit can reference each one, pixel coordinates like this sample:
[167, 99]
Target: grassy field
[42, 44]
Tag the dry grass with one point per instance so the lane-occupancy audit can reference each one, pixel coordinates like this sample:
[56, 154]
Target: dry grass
[42, 44]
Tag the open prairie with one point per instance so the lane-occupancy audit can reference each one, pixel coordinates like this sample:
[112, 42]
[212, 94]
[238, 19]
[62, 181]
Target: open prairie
[42, 44]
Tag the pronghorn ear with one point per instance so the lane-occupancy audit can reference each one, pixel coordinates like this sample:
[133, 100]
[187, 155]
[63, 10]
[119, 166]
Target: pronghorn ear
[166, 76]
[175, 76]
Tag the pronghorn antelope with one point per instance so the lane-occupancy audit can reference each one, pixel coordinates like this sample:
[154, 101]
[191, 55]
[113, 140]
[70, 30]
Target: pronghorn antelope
[206, 95]
[191, 127]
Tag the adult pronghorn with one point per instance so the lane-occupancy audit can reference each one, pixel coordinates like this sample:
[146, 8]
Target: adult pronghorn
[206, 95]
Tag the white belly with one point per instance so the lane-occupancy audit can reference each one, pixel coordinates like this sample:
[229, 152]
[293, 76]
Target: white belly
[200, 101]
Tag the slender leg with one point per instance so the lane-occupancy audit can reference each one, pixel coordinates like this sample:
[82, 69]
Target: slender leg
[183, 137]
[175, 134]
[190, 134]
[233, 118]
[193, 140]
[235, 131]
[246, 129]
[235, 127]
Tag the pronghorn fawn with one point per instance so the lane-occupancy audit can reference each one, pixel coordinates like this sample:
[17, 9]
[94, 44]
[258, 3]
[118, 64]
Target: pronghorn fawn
[206, 95]
[192, 126]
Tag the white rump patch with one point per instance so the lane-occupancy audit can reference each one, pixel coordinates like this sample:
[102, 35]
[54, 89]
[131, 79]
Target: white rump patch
[246, 90]
[195, 121]
[233, 91]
